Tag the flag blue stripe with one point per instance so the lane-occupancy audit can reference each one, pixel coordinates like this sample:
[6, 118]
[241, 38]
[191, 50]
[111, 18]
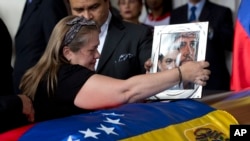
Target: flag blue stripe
[135, 119]
[244, 15]
[237, 95]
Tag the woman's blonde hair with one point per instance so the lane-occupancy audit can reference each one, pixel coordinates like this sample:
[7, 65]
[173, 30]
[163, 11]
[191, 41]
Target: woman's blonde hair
[47, 67]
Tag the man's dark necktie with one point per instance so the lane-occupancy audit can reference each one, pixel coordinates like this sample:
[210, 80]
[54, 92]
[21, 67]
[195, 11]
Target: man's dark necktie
[192, 16]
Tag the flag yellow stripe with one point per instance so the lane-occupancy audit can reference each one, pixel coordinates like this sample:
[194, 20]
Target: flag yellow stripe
[212, 125]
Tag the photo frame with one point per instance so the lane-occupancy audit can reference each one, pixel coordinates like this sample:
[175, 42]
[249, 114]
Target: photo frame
[172, 46]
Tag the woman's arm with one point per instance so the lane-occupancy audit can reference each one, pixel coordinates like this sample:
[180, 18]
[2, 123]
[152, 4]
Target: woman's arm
[104, 92]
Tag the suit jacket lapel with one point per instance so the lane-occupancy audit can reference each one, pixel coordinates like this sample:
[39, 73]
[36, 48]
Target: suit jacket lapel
[26, 14]
[205, 12]
[184, 16]
[114, 36]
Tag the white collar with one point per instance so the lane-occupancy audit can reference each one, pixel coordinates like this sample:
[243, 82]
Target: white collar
[104, 26]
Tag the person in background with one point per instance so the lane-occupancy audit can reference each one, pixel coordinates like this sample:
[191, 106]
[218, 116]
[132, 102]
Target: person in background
[6, 49]
[158, 12]
[220, 38]
[13, 108]
[64, 81]
[130, 11]
[115, 11]
[124, 46]
[37, 21]
[15, 111]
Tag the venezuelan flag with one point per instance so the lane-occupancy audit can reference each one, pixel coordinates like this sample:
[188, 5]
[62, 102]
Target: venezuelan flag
[240, 63]
[180, 120]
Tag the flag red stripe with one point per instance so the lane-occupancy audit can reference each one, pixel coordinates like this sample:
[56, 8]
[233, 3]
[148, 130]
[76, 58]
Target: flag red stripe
[240, 65]
[15, 134]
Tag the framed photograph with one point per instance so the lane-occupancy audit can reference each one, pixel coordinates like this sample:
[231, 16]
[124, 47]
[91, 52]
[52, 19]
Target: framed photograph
[173, 45]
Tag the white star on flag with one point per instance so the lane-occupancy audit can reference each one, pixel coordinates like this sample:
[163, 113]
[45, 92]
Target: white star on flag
[107, 130]
[114, 121]
[112, 114]
[89, 133]
[70, 138]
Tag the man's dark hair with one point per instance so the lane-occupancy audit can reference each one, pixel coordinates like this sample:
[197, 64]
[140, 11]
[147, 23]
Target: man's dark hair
[167, 7]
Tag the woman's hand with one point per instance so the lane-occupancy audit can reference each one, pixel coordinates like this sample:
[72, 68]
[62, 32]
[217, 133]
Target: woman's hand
[147, 65]
[28, 108]
[195, 72]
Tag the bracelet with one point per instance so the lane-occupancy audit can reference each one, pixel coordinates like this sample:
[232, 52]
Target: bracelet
[180, 75]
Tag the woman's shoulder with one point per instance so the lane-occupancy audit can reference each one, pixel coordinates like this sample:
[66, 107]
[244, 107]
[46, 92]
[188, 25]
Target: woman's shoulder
[74, 71]
[72, 68]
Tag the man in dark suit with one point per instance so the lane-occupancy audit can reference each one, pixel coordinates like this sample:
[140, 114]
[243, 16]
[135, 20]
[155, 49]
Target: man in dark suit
[15, 111]
[124, 46]
[5, 57]
[220, 37]
[37, 22]
[13, 108]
